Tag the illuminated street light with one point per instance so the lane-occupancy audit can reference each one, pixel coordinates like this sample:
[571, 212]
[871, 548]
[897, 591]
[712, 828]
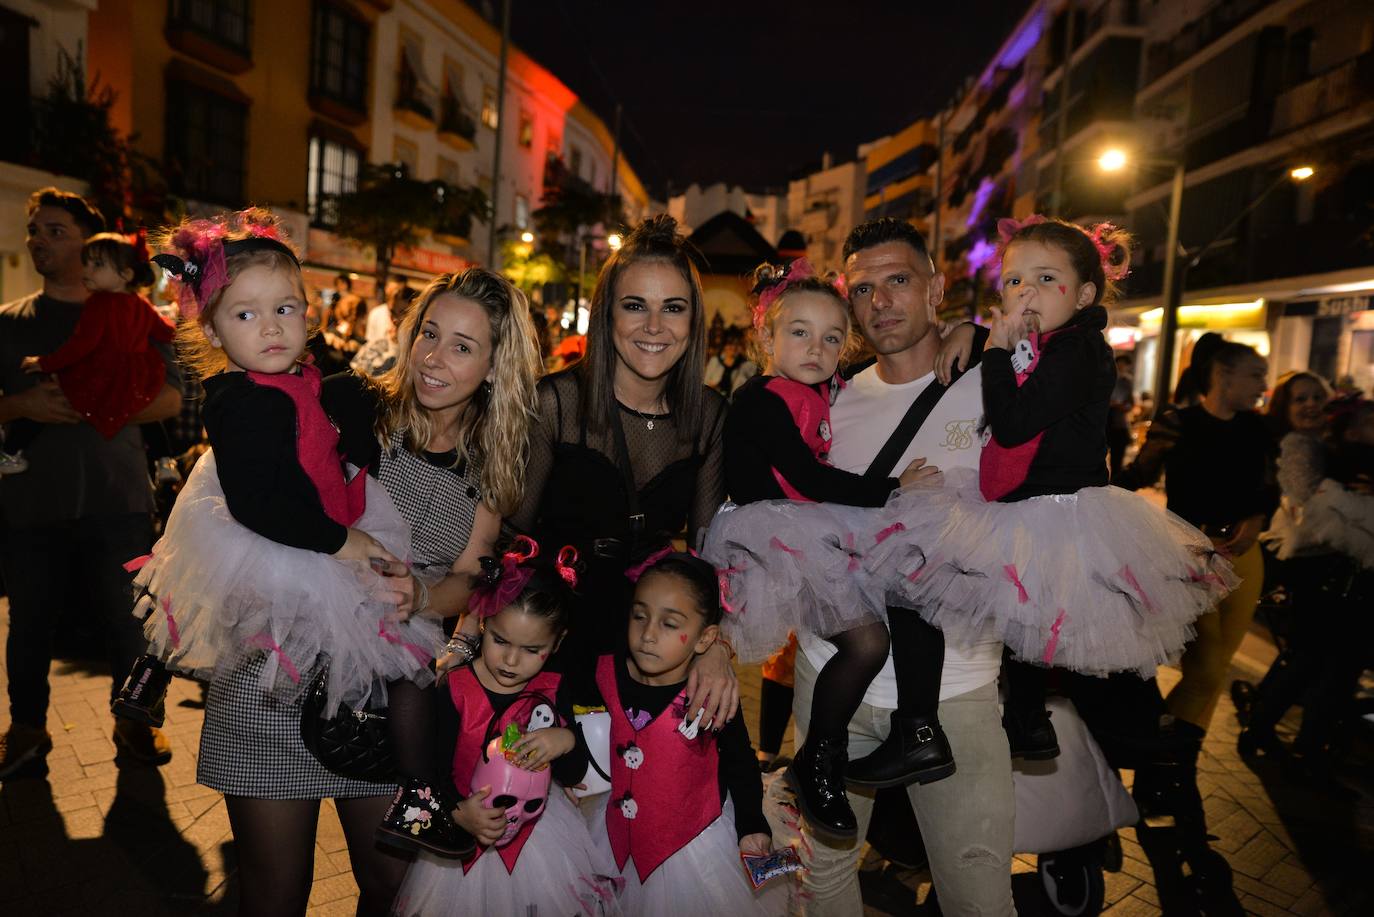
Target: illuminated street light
[1112, 160]
[1302, 173]
[527, 237]
[613, 241]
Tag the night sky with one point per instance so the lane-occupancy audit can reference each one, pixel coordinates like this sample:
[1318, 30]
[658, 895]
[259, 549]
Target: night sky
[753, 92]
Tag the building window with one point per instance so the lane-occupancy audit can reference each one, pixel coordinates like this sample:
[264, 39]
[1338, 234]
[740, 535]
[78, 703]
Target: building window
[575, 160]
[490, 116]
[526, 130]
[333, 170]
[406, 153]
[205, 143]
[338, 64]
[225, 22]
[522, 211]
[447, 171]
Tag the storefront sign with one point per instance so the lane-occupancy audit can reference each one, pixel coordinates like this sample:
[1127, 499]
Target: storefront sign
[428, 261]
[1330, 306]
[328, 249]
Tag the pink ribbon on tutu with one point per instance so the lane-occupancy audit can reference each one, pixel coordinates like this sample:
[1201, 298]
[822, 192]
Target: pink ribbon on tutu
[634, 573]
[1131, 581]
[723, 581]
[263, 641]
[173, 632]
[137, 563]
[853, 552]
[888, 532]
[395, 639]
[1010, 572]
[776, 544]
[1053, 643]
[920, 571]
[1197, 576]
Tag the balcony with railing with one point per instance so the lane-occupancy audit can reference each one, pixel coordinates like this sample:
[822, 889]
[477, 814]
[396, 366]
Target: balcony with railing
[1222, 17]
[1336, 90]
[414, 102]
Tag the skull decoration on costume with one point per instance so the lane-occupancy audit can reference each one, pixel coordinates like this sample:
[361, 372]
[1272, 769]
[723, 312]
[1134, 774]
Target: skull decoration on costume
[1023, 356]
[628, 807]
[523, 794]
[633, 756]
[541, 718]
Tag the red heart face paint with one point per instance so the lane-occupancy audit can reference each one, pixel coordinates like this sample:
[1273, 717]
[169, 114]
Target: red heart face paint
[1062, 289]
[543, 656]
[682, 637]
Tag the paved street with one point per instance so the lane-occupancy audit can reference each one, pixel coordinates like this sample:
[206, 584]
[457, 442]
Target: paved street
[99, 838]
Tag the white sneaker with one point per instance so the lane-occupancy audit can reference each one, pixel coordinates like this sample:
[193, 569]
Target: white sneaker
[13, 463]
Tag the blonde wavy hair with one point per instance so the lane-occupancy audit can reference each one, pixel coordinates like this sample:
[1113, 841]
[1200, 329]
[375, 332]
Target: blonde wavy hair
[494, 427]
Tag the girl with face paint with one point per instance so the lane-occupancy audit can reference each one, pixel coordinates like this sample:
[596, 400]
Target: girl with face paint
[502, 734]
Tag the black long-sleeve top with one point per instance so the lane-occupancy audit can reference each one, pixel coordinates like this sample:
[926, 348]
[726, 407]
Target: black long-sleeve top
[1218, 472]
[738, 771]
[252, 429]
[1066, 398]
[761, 436]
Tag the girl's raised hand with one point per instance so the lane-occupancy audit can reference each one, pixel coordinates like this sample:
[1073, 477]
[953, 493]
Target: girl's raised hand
[362, 547]
[713, 687]
[755, 845]
[485, 825]
[536, 750]
[1006, 328]
[955, 351]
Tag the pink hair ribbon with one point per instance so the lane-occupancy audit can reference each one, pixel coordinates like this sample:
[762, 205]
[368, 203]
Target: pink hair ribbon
[1008, 227]
[504, 581]
[1010, 572]
[566, 565]
[634, 573]
[799, 269]
[1111, 271]
[1053, 643]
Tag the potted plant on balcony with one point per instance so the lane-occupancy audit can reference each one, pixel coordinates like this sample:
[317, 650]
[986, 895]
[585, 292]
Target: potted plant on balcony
[458, 207]
[388, 209]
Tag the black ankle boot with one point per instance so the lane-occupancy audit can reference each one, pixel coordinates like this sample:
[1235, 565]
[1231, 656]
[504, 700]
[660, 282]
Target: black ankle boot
[1030, 735]
[419, 819]
[817, 776]
[915, 751]
[141, 698]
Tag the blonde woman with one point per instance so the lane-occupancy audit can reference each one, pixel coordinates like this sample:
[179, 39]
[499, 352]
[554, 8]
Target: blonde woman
[446, 431]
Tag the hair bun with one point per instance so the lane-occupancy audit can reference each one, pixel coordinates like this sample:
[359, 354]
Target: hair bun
[659, 229]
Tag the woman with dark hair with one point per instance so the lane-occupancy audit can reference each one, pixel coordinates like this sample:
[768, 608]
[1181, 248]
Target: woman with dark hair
[1217, 457]
[626, 453]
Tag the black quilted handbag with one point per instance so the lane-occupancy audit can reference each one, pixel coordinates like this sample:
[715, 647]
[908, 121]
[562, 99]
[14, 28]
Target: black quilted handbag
[351, 743]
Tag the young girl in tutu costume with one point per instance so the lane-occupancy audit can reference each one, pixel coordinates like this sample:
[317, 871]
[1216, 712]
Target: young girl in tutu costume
[1036, 549]
[536, 856]
[108, 368]
[795, 565]
[268, 574]
[685, 802]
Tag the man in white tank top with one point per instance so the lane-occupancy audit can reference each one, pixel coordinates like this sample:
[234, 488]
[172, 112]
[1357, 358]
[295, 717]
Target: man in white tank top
[965, 819]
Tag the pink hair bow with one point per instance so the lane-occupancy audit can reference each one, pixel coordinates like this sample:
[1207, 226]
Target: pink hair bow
[503, 581]
[1112, 272]
[566, 565]
[1008, 227]
[634, 573]
[799, 269]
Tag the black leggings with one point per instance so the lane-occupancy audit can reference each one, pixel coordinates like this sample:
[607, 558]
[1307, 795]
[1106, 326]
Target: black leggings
[275, 843]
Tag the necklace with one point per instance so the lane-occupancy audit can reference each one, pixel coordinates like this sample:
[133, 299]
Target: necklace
[647, 418]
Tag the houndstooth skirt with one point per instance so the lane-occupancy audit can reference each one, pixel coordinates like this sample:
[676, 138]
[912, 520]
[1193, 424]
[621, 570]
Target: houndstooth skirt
[251, 745]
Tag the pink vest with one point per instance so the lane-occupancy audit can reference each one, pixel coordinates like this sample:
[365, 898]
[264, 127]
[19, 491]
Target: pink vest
[474, 714]
[811, 413]
[317, 444]
[1002, 469]
[665, 788]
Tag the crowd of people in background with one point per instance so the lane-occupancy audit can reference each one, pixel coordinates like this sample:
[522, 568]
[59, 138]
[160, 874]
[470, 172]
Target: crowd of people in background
[518, 494]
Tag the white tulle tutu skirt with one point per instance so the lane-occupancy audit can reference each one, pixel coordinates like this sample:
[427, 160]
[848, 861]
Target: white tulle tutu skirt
[1334, 518]
[789, 566]
[214, 589]
[705, 877]
[1098, 581]
[560, 872]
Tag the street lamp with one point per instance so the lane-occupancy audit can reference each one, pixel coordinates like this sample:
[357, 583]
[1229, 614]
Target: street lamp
[613, 241]
[527, 237]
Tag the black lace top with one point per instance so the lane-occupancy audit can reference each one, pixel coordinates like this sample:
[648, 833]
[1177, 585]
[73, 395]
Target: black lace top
[575, 494]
